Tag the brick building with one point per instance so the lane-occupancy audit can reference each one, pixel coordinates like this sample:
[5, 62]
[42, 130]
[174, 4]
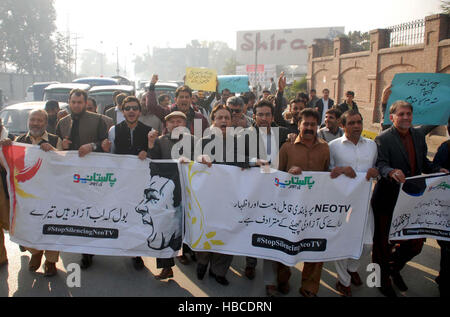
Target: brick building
[368, 72]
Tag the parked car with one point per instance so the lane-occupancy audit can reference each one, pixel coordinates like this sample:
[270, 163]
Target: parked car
[97, 81]
[15, 117]
[166, 88]
[36, 91]
[61, 92]
[123, 81]
[103, 95]
[3, 99]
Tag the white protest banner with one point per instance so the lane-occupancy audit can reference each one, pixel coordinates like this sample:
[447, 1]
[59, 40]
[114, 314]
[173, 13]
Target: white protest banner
[422, 209]
[276, 216]
[100, 204]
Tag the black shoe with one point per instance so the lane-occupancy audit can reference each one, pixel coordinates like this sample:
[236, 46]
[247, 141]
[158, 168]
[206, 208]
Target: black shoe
[438, 280]
[183, 259]
[387, 291]
[86, 261]
[219, 279]
[399, 282]
[138, 263]
[201, 271]
[250, 272]
[222, 280]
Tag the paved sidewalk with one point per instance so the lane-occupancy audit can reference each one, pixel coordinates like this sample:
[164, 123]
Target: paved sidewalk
[115, 276]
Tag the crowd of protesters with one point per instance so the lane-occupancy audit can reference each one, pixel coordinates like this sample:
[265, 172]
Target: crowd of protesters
[306, 133]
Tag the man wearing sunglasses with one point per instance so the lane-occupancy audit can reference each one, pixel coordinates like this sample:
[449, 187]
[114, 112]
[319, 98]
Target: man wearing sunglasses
[129, 137]
[238, 119]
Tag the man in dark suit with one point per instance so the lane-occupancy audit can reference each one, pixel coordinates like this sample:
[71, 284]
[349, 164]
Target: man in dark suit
[116, 113]
[81, 131]
[262, 143]
[324, 104]
[402, 152]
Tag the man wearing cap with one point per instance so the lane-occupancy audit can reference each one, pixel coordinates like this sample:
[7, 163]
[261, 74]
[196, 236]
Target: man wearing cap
[167, 147]
[52, 108]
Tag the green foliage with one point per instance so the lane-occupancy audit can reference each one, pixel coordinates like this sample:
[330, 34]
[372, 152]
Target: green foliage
[445, 7]
[230, 66]
[359, 41]
[298, 86]
[28, 38]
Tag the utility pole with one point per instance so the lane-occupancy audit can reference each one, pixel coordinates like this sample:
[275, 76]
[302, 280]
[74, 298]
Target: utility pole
[76, 38]
[118, 69]
[256, 66]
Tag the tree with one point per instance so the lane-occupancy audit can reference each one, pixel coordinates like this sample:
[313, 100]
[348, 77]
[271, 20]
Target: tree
[230, 66]
[28, 38]
[359, 41]
[296, 87]
[445, 6]
[221, 57]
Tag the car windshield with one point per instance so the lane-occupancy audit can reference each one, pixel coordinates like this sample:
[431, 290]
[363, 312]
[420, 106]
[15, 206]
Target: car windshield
[58, 95]
[15, 121]
[165, 91]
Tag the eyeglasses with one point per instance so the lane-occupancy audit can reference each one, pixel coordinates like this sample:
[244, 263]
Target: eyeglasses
[261, 115]
[128, 108]
[309, 124]
[235, 110]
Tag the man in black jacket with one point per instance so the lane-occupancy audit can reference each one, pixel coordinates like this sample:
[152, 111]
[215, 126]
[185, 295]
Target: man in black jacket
[348, 104]
[402, 152]
[129, 137]
[324, 104]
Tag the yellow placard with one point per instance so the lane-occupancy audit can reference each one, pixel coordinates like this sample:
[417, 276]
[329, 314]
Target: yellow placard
[201, 79]
[369, 134]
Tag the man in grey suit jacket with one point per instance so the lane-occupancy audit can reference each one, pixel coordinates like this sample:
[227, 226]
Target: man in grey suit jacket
[402, 152]
[82, 131]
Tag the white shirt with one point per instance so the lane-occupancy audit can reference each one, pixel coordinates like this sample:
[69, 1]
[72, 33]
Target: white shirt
[361, 157]
[325, 109]
[4, 134]
[120, 117]
[273, 144]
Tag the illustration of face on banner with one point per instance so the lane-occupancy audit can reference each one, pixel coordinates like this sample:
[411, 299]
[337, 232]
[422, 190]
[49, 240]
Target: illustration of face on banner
[161, 207]
[95, 205]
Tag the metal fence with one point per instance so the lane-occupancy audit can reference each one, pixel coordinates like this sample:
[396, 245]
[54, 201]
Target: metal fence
[404, 34]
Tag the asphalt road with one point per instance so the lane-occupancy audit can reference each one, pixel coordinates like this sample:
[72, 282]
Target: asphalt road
[115, 276]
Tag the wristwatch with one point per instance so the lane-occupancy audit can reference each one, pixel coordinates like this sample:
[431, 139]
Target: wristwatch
[94, 146]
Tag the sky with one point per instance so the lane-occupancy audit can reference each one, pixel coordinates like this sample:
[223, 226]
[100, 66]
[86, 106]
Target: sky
[136, 26]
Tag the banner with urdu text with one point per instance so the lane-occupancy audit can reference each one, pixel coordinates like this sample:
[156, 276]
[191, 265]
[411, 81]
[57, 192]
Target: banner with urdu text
[422, 209]
[277, 216]
[100, 204]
